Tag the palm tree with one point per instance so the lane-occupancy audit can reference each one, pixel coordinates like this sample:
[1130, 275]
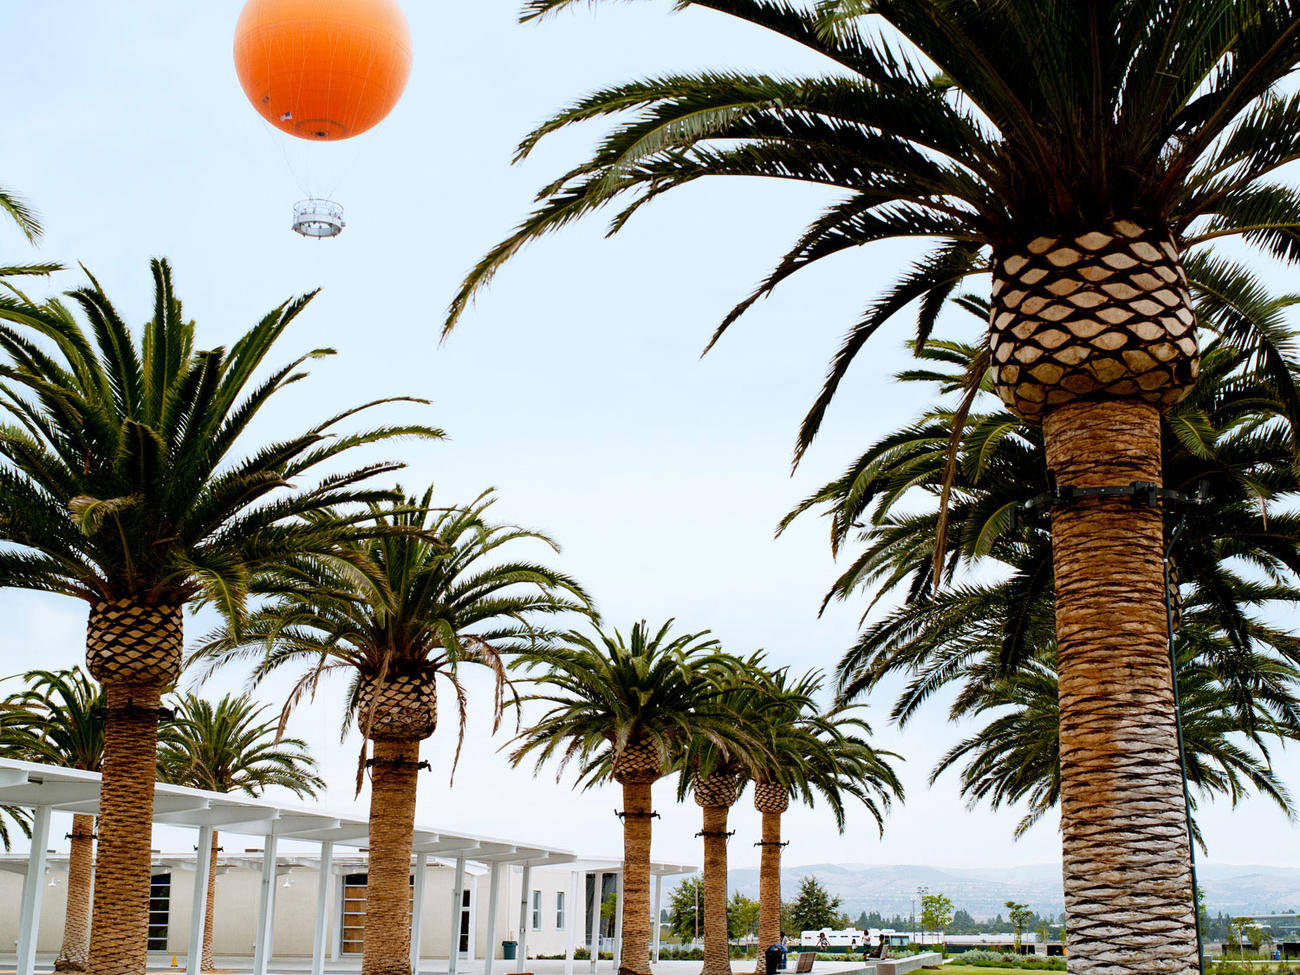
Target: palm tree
[714, 769]
[624, 709]
[809, 753]
[228, 747]
[446, 596]
[1081, 153]
[122, 487]
[56, 720]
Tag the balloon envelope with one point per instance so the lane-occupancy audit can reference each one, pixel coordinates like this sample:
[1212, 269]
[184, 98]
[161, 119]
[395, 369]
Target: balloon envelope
[323, 69]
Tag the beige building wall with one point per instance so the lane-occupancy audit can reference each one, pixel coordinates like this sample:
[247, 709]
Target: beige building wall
[237, 895]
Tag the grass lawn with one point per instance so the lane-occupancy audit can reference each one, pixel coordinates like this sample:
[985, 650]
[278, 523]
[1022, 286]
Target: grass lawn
[956, 969]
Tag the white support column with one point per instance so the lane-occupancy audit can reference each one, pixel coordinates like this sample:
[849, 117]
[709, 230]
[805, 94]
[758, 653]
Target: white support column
[265, 942]
[29, 913]
[598, 882]
[324, 907]
[457, 898]
[199, 905]
[417, 909]
[494, 902]
[618, 921]
[656, 924]
[525, 898]
[573, 918]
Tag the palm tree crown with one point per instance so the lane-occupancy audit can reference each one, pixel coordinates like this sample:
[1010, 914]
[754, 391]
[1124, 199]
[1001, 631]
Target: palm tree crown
[978, 126]
[57, 719]
[607, 694]
[229, 747]
[121, 480]
[827, 754]
[443, 596]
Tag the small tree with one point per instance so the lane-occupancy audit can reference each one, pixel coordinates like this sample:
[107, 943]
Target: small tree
[814, 907]
[936, 913]
[1020, 915]
[742, 915]
[686, 909]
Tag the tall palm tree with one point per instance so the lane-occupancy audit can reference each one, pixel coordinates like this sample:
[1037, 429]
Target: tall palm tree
[229, 747]
[624, 708]
[810, 753]
[1081, 154]
[122, 486]
[56, 720]
[450, 593]
[714, 769]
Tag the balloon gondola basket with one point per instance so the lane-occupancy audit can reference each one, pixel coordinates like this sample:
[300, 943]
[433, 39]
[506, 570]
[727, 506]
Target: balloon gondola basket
[317, 218]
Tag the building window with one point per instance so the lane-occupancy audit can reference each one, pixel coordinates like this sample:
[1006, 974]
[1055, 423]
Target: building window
[537, 910]
[559, 911]
[160, 903]
[354, 912]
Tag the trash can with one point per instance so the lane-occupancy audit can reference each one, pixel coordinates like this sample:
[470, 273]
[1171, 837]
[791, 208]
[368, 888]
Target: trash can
[508, 950]
[772, 959]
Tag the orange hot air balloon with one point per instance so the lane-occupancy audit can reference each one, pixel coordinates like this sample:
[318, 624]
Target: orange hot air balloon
[323, 69]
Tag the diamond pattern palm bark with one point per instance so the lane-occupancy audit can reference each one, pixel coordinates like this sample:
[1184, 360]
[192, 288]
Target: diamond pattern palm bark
[1095, 315]
[403, 707]
[1092, 335]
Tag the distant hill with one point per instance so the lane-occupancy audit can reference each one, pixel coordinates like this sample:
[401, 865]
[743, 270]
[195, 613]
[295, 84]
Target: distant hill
[983, 891]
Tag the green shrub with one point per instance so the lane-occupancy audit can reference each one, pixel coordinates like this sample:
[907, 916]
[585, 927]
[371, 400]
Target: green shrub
[998, 959]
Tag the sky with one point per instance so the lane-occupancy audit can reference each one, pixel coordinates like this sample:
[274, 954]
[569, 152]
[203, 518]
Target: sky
[575, 386]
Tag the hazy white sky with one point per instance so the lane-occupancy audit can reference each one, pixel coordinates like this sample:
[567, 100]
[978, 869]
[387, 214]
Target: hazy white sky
[575, 386]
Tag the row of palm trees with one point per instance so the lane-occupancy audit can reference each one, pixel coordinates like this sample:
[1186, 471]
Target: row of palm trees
[398, 593]
[1076, 161]
[127, 483]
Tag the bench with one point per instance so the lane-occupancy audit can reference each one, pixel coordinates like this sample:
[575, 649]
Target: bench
[909, 963]
[806, 959]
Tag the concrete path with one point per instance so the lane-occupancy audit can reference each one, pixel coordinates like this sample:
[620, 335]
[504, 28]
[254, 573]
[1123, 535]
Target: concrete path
[295, 965]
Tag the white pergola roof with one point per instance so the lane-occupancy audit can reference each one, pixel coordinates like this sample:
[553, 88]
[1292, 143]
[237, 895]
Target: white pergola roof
[74, 791]
[47, 788]
[31, 785]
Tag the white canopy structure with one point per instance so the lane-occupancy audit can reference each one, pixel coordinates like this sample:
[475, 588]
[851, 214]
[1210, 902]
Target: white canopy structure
[45, 789]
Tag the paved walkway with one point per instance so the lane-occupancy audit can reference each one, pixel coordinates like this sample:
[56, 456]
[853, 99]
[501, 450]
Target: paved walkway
[294, 965]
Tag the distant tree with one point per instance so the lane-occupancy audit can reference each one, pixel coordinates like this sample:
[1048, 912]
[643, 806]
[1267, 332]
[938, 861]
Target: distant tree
[686, 909]
[1021, 915]
[607, 908]
[963, 923]
[742, 915]
[863, 923]
[936, 912]
[814, 907]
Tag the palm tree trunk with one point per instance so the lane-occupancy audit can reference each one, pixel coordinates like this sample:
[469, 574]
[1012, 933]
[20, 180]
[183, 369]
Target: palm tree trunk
[717, 949]
[206, 963]
[769, 888]
[386, 935]
[120, 916]
[635, 959]
[81, 872]
[1126, 850]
